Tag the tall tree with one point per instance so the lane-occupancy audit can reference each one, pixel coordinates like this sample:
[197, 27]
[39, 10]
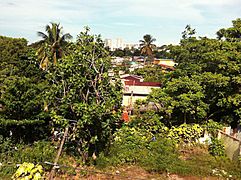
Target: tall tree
[231, 34]
[81, 90]
[213, 67]
[21, 87]
[147, 45]
[52, 44]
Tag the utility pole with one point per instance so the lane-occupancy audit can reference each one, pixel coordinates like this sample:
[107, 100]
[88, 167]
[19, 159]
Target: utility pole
[52, 173]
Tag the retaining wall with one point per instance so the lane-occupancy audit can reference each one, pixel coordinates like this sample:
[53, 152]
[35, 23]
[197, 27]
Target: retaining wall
[232, 145]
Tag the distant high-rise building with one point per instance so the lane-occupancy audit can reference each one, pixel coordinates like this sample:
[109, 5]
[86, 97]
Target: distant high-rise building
[118, 43]
[108, 43]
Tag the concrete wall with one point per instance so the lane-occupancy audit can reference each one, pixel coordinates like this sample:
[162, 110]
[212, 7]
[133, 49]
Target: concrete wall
[127, 99]
[231, 144]
[139, 92]
[168, 62]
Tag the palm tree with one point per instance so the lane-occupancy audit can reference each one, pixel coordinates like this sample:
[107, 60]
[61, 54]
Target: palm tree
[52, 44]
[147, 46]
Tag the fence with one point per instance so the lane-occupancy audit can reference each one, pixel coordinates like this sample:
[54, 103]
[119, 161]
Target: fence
[232, 145]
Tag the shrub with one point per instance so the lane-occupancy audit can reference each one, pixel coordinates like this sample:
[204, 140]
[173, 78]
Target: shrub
[160, 156]
[150, 122]
[212, 127]
[136, 146]
[186, 133]
[216, 148]
[28, 171]
[38, 152]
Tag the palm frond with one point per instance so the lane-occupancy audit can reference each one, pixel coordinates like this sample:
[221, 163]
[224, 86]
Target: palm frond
[50, 33]
[41, 34]
[66, 37]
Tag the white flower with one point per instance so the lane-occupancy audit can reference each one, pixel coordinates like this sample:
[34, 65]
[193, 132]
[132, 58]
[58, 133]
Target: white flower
[224, 172]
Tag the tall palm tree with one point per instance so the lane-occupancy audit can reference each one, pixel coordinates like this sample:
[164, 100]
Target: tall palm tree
[52, 44]
[147, 46]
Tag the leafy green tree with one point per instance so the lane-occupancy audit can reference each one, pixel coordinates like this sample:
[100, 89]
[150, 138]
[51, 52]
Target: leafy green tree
[22, 84]
[136, 52]
[162, 52]
[81, 90]
[11, 49]
[147, 46]
[231, 34]
[127, 51]
[150, 73]
[118, 53]
[213, 65]
[19, 79]
[188, 32]
[53, 44]
[181, 100]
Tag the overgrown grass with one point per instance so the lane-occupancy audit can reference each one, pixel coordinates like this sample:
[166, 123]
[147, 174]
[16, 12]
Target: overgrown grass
[37, 153]
[163, 155]
[14, 154]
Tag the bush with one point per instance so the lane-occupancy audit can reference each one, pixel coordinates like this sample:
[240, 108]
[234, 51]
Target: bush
[212, 127]
[28, 171]
[5, 145]
[150, 122]
[216, 148]
[136, 146]
[186, 133]
[36, 153]
[161, 156]
[128, 142]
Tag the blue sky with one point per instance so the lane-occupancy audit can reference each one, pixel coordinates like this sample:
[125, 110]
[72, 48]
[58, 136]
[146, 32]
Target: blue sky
[128, 19]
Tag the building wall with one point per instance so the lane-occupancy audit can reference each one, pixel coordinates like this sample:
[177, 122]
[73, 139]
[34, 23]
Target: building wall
[168, 62]
[127, 99]
[142, 90]
[231, 144]
[139, 92]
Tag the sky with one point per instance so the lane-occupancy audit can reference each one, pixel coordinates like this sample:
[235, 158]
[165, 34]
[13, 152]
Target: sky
[126, 19]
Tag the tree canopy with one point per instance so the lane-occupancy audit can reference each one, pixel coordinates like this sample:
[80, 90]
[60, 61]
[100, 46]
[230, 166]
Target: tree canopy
[147, 45]
[206, 82]
[52, 45]
[81, 90]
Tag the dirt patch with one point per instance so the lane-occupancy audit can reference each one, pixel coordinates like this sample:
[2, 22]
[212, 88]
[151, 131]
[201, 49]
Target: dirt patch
[186, 152]
[126, 172]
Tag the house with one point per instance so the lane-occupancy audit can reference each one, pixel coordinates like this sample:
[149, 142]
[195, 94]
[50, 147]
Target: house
[167, 62]
[135, 88]
[128, 77]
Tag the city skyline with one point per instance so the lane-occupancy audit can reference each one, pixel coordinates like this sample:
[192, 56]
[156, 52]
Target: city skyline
[126, 19]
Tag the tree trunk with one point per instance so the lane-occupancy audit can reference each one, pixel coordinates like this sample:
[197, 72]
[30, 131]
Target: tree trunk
[185, 117]
[55, 58]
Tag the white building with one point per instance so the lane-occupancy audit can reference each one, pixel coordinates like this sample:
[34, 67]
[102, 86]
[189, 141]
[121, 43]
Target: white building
[118, 43]
[135, 88]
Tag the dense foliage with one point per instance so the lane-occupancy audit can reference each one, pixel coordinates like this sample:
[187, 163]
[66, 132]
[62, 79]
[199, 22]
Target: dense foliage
[22, 84]
[75, 92]
[206, 82]
[150, 73]
[28, 171]
[135, 146]
[81, 90]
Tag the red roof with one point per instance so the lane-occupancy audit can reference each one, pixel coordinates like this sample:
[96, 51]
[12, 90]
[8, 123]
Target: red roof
[135, 83]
